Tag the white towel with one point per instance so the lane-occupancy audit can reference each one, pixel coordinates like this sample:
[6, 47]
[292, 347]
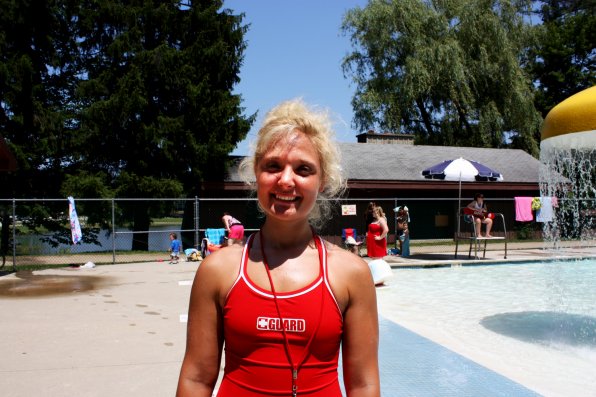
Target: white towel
[545, 213]
[75, 227]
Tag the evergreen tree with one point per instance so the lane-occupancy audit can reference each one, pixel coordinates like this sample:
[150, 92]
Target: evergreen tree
[564, 60]
[159, 115]
[37, 81]
[446, 70]
[36, 90]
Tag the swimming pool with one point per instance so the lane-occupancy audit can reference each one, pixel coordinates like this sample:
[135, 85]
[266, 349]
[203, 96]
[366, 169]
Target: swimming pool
[534, 323]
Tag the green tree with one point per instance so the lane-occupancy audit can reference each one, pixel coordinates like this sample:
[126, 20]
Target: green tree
[564, 59]
[36, 89]
[448, 71]
[159, 115]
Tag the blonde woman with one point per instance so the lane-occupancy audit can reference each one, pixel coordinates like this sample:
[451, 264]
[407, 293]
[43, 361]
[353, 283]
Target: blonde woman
[285, 303]
[376, 237]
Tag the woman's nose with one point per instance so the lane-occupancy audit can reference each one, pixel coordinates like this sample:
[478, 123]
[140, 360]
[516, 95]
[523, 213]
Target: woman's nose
[286, 178]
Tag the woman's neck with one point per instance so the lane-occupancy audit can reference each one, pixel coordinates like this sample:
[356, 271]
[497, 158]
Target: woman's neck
[282, 236]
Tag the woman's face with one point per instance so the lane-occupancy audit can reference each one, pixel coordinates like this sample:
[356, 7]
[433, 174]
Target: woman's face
[377, 213]
[289, 178]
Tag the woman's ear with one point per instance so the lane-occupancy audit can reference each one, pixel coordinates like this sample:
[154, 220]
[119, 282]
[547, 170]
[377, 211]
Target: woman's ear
[322, 186]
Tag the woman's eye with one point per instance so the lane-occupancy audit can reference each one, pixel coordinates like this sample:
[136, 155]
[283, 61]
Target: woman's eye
[271, 167]
[304, 170]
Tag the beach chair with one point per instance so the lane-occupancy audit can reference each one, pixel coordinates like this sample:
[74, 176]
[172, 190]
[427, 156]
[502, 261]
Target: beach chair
[351, 240]
[214, 239]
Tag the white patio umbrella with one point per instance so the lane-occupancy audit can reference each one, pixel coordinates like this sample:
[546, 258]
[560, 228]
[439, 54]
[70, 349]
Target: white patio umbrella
[461, 169]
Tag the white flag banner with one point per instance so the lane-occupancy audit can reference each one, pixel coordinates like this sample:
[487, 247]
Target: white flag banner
[75, 227]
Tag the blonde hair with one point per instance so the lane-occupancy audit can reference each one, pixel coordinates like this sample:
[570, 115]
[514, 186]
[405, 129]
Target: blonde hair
[379, 211]
[280, 122]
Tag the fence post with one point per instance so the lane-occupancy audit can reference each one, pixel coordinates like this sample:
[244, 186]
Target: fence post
[198, 227]
[395, 243]
[14, 235]
[196, 222]
[113, 233]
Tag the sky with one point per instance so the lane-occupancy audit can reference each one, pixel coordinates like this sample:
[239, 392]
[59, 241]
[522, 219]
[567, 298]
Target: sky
[295, 49]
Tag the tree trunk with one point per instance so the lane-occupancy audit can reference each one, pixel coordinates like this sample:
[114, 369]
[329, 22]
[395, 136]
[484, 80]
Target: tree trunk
[425, 117]
[5, 238]
[141, 223]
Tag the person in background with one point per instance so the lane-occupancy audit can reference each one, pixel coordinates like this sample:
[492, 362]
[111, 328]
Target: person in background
[402, 220]
[368, 214]
[285, 302]
[376, 236]
[175, 248]
[480, 212]
[234, 228]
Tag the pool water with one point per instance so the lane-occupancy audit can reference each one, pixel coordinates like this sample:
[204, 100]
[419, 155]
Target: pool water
[534, 323]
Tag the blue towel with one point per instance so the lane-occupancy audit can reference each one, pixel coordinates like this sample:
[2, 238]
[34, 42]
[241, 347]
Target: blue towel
[216, 236]
[190, 251]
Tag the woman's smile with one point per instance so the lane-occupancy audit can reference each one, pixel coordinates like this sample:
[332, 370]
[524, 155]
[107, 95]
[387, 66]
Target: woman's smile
[286, 198]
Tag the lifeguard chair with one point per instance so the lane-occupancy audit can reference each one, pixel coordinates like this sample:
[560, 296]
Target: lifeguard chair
[465, 221]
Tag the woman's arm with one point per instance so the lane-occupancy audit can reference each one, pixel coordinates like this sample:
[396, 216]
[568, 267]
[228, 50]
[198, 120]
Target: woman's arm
[360, 342]
[224, 219]
[384, 229]
[200, 367]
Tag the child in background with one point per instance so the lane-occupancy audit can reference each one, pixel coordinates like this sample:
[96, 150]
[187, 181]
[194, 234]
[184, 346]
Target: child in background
[175, 248]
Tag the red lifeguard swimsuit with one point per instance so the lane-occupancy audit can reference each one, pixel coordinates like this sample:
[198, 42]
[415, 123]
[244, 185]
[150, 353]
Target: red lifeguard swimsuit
[255, 360]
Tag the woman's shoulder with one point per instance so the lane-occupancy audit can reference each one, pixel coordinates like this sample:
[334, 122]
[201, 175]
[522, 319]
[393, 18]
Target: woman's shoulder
[344, 261]
[223, 264]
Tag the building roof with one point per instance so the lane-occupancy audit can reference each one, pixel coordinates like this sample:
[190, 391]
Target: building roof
[373, 168]
[379, 162]
[375, 162]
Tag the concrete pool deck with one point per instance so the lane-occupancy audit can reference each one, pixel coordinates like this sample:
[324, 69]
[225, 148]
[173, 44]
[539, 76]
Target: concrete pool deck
[120, 331]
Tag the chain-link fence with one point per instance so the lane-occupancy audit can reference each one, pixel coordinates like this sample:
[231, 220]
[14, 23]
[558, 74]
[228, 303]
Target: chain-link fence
[37, 231]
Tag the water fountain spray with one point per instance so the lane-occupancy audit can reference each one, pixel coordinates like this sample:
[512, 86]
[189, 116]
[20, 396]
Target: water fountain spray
[568, 170]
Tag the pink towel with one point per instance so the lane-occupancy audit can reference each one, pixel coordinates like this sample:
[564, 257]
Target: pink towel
[523, 209]
[555, 202]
